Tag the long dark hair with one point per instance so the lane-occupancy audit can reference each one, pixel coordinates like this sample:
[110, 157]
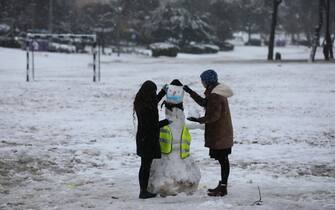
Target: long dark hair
[146, 96]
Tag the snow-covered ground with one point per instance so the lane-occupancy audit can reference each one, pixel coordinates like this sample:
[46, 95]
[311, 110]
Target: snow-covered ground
[68, 143]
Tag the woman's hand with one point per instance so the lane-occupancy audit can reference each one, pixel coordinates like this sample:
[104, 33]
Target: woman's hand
[187, 89]
[165, 88]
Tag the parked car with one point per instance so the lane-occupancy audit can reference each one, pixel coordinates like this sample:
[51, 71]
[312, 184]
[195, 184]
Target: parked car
[225, 46]
[254, 42]
[9, 42]
[280, 43]
[236, 41]
[196, 48]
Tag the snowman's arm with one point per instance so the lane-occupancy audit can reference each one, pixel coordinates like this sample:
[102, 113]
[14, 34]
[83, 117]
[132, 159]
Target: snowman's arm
[163, 123]
[160, 95]
[198, 99]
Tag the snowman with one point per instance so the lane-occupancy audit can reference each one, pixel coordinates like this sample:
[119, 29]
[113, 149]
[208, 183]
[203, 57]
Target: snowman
[176, 171]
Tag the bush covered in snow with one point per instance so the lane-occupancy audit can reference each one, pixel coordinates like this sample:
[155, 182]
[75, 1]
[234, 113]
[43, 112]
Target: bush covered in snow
[9, 42]
[164, 49]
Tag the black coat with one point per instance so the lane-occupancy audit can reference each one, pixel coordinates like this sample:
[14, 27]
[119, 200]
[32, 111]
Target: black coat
[147, 136]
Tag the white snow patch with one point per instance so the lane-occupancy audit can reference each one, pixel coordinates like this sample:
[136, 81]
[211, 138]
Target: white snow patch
[68, 143]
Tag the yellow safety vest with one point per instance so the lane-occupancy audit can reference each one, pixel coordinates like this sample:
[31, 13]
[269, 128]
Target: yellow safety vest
[166, 138]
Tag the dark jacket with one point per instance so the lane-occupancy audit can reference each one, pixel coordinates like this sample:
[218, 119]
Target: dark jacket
[147, 136]
[218, 125]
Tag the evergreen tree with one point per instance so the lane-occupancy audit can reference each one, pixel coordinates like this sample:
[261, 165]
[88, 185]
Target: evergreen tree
[254, 16]
[179, 26]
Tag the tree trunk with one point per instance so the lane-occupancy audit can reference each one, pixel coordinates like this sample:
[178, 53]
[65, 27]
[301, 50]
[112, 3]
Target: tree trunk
[273, 28]
[33, 24]
[328, 42]
[249, 33]
[316, 39]
[103, 41]
[118, 38]
[309, 38]
[50, 15]
[293, 42]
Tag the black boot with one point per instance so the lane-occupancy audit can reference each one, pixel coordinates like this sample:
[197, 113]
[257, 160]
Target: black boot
[144, 194]
[214, 189]
[221, 190]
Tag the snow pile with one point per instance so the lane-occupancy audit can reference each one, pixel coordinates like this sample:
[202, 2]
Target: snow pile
[68, 143]
[172, 175]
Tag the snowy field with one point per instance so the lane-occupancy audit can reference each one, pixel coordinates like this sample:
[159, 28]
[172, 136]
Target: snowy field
[68, 143]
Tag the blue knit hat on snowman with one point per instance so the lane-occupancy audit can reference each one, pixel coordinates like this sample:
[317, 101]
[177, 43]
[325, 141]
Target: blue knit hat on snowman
[209, 77]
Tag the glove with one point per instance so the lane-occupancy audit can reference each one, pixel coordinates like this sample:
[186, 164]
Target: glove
[165, 88]
[193, 119]
[163, 123]
[187, 89]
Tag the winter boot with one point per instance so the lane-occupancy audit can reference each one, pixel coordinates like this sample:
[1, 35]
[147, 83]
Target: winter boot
[144, 194]
[220, 191]
[214, 189]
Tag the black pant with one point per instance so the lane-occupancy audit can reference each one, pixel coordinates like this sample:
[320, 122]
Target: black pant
[225, 169]
[144, 173]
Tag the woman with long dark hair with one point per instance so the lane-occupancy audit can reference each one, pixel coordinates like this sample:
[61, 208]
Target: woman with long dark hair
[147, 136]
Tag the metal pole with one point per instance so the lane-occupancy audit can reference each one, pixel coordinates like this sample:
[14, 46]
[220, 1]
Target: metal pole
[329, 45]
[33, 62]
[99, 54]
[27, 70]
[94, 62]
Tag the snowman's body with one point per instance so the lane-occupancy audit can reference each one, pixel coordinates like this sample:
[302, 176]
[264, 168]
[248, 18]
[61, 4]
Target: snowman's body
[171, 174]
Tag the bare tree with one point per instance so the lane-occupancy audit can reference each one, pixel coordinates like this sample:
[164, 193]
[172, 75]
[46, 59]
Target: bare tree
[328, 46]
[316, 39]
[50, 15]
[276, 4]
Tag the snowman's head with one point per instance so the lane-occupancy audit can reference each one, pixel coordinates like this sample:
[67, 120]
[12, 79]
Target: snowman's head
[174, 94]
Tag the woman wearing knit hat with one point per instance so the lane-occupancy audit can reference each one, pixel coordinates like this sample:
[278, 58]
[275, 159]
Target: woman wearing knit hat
[218, 125]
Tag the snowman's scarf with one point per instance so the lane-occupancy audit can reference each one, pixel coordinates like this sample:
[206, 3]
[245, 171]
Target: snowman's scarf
[169, 106]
